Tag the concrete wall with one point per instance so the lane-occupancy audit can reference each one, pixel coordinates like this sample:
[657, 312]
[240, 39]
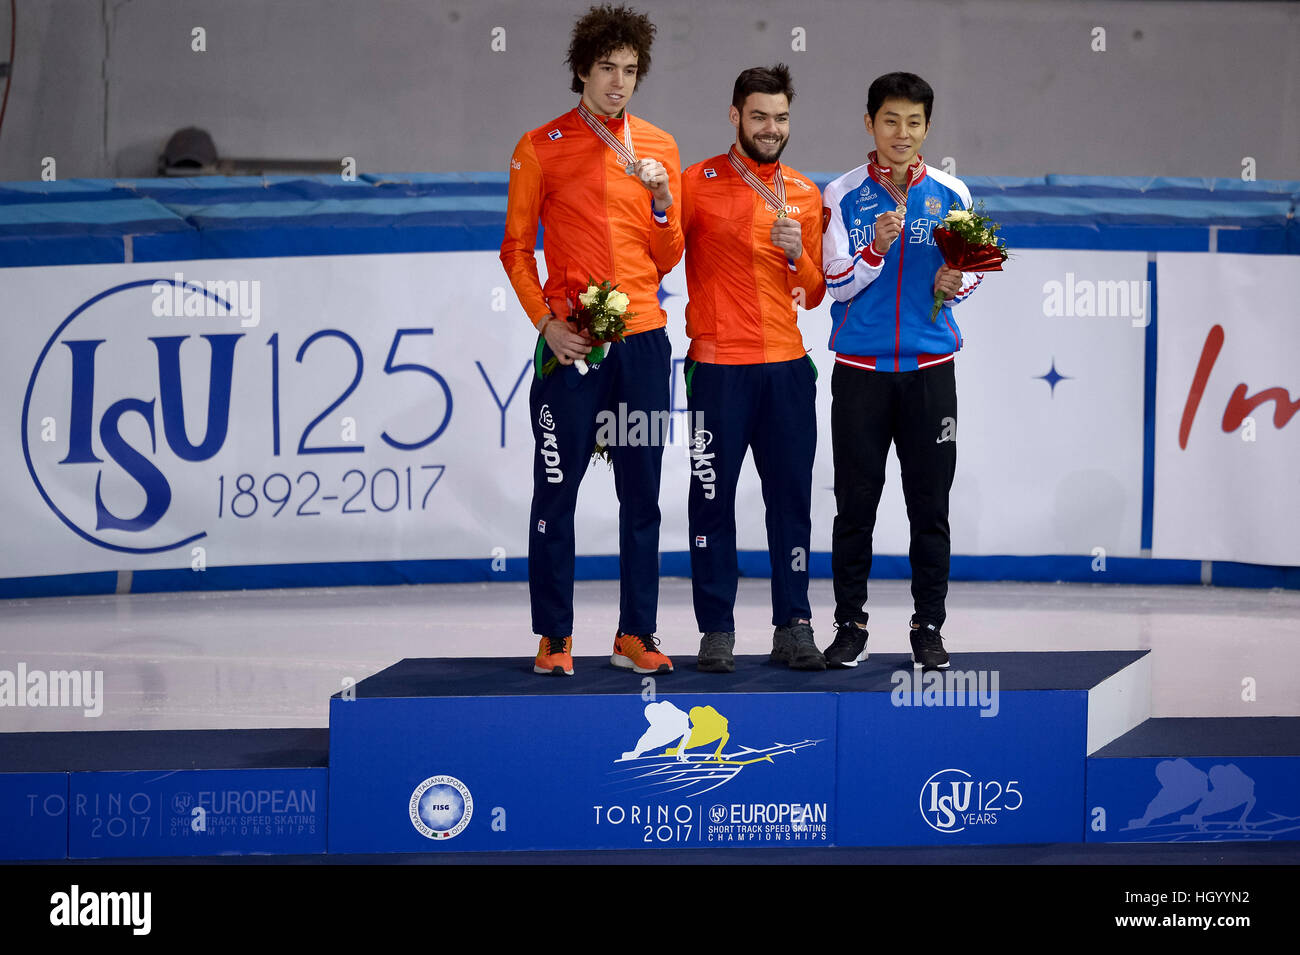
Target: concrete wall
[1185, 89]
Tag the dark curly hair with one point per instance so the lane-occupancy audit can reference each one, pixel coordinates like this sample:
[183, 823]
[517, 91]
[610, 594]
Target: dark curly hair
[601, 31]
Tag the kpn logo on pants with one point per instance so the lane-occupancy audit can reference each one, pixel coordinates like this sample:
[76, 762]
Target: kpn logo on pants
[702, 462]
[549, 449]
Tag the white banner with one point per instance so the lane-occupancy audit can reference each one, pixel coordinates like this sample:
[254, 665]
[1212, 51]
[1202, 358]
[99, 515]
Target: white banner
[1227, 469]
[375, 407]
[1049, 399]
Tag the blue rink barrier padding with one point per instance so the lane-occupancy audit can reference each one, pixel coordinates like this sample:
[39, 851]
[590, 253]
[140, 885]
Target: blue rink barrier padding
[1048, 569]
[771, 756]
[140, 793]
[81, 227]
[289, 215]
[1198, 780]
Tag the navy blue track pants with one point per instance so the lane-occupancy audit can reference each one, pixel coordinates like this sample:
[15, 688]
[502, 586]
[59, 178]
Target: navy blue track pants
[631, 382]
[771, 410]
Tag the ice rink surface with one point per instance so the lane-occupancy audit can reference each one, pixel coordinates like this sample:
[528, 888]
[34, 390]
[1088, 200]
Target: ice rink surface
[272, 658]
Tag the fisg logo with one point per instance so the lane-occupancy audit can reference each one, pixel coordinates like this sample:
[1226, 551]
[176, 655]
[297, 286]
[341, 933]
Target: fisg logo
[700, 462]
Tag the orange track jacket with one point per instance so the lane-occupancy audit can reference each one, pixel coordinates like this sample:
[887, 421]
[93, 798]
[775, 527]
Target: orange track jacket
[743, 290]
[598, 222]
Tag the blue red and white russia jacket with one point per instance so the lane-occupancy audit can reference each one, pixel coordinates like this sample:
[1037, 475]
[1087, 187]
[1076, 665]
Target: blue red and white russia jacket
[880, 318]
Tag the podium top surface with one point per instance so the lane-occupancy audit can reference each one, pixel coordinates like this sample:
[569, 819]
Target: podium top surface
[881, 673]
[163, 750]
[1207, 736]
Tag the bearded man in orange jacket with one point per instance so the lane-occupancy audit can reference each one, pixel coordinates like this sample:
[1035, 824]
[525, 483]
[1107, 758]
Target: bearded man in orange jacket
[753, 256]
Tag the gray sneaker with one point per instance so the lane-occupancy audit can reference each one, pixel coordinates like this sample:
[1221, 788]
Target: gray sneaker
[793, 645]
[716, 652]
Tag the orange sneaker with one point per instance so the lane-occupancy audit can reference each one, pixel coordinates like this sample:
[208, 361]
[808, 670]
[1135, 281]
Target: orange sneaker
[639, 654]
[554, 656]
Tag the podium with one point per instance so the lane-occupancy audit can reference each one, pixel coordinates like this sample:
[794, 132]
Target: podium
[138, 793]
[451, 755]
[482, 754]
[1198, 780]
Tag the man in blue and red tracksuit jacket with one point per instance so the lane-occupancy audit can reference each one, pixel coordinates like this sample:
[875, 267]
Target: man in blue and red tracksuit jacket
[893, 380]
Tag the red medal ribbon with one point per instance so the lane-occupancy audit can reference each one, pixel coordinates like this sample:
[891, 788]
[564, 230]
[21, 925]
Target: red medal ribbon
[775, 200]
[886, 179]
[624, 149]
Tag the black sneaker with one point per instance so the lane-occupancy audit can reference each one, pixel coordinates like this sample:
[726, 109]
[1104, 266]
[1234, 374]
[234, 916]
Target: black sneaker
[793, 645]
[927, 647]
[716, 652]
[849, 647]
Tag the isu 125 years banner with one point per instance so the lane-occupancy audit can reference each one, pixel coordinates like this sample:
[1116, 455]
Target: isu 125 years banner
[235, 412]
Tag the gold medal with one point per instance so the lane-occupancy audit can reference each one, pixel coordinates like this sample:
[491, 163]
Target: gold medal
[902, 209]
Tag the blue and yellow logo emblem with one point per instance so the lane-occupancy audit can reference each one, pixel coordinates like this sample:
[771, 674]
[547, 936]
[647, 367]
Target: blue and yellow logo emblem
[686, 752]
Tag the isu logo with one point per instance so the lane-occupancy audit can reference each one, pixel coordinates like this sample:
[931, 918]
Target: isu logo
[951, 800]
[138, 411]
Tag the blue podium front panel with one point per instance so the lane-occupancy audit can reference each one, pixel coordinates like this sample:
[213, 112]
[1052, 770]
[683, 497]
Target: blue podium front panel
[1181, 799]
[581, 771]
[33, 815]
[482, 754]
[133, 793]
[1198, 780]
[914, 770]
[197, 812]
